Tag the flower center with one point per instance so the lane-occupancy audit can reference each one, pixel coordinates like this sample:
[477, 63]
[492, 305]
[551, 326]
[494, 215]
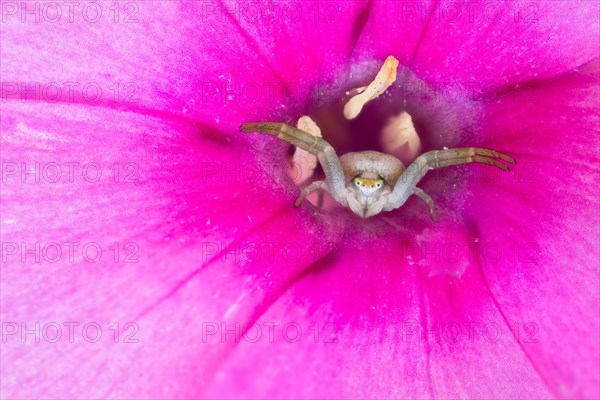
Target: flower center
[442, 117]
[389, 109]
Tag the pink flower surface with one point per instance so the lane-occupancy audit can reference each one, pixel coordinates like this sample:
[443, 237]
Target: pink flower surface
[146, 254]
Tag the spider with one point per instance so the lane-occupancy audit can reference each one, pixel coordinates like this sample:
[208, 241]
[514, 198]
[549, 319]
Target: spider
[369, 182]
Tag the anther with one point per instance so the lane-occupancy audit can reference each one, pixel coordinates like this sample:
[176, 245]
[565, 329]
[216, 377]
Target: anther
[384, 79]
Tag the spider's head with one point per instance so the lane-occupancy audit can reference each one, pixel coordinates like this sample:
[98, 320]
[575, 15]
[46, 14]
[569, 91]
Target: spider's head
[368, 186]
[368, 190]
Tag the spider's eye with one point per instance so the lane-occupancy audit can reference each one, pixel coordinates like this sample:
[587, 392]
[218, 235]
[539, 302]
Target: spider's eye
[379, 185]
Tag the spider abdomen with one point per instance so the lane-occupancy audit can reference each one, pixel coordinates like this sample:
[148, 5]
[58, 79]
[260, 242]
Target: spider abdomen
[388, 167]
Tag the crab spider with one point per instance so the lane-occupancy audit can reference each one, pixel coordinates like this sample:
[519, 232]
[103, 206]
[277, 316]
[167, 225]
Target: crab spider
[369, 182]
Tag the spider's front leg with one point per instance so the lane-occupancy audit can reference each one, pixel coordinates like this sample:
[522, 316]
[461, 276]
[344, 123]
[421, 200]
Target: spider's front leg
[335, 182]
[438, 159]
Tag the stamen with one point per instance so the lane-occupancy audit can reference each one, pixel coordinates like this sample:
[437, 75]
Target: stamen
[384, 79]
[355, 91]
[400, 138]
[304, 163]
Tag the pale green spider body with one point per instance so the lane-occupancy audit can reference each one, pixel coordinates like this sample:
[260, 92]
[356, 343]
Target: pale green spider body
[370, 182]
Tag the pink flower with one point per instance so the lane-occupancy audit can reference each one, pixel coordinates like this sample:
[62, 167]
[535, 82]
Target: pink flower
[145, 255]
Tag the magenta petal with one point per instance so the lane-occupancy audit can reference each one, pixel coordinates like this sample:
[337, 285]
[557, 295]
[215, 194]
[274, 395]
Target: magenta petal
[379, 328]
[483, 44]
[546, 217]
[166, 61]
[186, 256]
[305, 43]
